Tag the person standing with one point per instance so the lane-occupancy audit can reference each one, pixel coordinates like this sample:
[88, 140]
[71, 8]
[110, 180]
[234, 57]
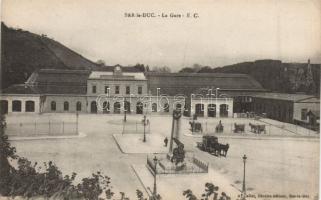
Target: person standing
[165, 141]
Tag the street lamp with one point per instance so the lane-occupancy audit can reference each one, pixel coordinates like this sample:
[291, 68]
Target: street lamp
[155, 173]
[243, 188]
[125, 110]
[77, 122]
[144, 121]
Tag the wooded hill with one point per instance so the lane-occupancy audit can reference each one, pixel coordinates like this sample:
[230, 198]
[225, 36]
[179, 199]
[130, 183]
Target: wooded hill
[23, 52]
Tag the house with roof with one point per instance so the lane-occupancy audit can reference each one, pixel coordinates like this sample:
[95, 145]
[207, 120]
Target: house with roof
[291, 108]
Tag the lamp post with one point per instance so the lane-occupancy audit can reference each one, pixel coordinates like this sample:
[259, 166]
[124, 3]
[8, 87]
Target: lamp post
[77, 116]
[125, 110]
[244, 188]
[155, 173]
[144, 121]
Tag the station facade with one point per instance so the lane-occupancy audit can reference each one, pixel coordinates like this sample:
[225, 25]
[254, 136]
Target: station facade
[118, 89]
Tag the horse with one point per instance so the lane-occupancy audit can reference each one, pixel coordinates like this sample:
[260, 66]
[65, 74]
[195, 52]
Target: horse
[239, 127]
[196, 126]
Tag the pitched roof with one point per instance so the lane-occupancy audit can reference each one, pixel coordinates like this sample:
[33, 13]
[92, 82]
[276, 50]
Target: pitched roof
[111, 76]
[111, 68]
[20, 89]
[57, 81]
[59, 77]
[286, 96]
[187, 83]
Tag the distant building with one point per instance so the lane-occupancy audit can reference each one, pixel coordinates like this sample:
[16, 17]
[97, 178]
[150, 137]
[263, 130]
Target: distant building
[291, 108]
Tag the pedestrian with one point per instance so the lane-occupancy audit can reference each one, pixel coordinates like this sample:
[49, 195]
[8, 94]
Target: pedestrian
[165, 141]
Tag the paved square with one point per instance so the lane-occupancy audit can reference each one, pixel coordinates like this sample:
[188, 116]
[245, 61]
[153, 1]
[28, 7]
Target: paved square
[275, 164]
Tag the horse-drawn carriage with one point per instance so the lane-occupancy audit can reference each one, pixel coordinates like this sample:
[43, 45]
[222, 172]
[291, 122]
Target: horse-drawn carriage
[219, 128]
[257, 128]
[210, 144]
[196, 127]
[239, 128]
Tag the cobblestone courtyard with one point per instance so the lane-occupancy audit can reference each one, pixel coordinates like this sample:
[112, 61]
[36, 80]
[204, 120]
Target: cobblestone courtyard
[284, 161]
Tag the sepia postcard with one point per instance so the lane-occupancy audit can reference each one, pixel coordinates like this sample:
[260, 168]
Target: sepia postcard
[160, 99]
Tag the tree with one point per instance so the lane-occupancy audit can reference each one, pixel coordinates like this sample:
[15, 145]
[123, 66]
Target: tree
[6, 152]
[163, 69]
[140, 67]
[210, 190]
[189, 195]
[101, 62]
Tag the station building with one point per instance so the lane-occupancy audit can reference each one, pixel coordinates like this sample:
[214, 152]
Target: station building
[118, 89]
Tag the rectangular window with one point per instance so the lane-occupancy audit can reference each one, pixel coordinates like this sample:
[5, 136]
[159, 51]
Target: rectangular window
[94, 89]
[117, 89]
[106, 89]
[127, 89]
[140, 90]
[304, 114]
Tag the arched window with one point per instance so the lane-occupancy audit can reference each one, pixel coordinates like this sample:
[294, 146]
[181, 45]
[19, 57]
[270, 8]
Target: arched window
[199, 110]
[223, 110]
[166, 107]
[211, 110]
[154, 107]
[53, 105]
[117, 108]
[30, 106]
[179, 106]
[16, 106]
[127, 107]
[139, 108]
[78, 106]
[66, 106]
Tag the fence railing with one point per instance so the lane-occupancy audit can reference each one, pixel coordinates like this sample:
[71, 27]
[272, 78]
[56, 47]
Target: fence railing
[192, 165]
[135, 128]
[42, 128]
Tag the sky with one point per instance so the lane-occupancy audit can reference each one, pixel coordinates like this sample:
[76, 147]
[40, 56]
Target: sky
[225, 31]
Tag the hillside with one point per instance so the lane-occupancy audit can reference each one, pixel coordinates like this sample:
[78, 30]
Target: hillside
[23, 52]
[275, 75]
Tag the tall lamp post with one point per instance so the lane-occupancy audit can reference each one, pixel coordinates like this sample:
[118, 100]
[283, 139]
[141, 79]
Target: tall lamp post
[125, 110]
[77, 122]
[244, 188]
[155, 173]
[144, 123]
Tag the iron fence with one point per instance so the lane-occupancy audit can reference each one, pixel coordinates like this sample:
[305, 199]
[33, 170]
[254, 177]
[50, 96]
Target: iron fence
[192, 165]
[42, 129]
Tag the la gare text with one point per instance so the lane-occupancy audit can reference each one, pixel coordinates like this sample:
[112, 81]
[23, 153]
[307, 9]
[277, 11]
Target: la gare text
[160, 15]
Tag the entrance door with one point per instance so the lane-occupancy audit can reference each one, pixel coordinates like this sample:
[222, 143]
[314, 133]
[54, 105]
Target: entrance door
[117, 108]
[223, 110]
[106, 107]
[93, 107]
[139, 108]
[127, 107]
